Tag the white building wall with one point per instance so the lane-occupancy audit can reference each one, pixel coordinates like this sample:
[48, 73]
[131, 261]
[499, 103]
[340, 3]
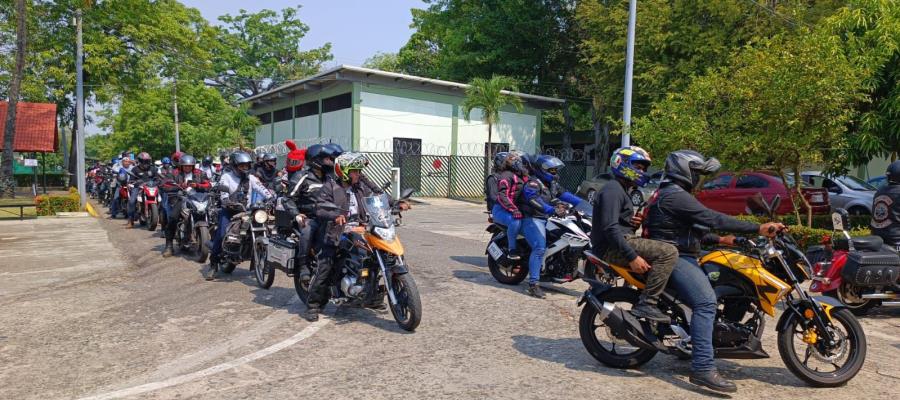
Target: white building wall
[283, 131]
[307, 130]
[384, 117]
[263, 134]
[519, 130]
[337, 125]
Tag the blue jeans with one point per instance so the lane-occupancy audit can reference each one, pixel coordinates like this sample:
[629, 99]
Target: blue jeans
[694, 289]
[513, 226]
[216, 247]
[132, 201]
[535, 230]
[114, 205]
[163, 198]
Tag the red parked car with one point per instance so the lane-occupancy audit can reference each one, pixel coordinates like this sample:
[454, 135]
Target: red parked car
[728, 193]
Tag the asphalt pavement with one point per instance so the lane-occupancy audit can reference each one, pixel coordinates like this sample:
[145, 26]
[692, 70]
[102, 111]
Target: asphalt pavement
[90, 310]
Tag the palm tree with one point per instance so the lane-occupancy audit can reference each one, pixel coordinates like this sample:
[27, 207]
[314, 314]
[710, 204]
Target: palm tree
[7, 183]
[490, 95]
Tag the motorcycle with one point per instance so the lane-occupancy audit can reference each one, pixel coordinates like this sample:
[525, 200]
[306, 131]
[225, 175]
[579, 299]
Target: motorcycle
[192, 232]
[369, 264]
[564, 261]
[862, 273]
[748, 283]
[282, 246]
[147, 205]
[247, 237]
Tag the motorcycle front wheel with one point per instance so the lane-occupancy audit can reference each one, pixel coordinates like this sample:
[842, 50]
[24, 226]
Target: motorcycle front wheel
[408, 310]
[808, 357]
[153, 218]
[200, 245]
[265, 274]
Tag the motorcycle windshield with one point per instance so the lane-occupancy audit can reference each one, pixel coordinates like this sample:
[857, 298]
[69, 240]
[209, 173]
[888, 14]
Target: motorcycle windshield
[199, 197]
[586, 209]
[378, 209]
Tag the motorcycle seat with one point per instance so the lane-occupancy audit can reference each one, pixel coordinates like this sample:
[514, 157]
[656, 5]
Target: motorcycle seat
[867, 243]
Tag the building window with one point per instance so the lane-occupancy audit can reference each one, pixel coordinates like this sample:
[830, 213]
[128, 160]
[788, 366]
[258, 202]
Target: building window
[283, 114]
[335, 103]
[306, 109]
[265, 118]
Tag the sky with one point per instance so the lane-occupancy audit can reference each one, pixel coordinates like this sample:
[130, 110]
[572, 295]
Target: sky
[357, 29]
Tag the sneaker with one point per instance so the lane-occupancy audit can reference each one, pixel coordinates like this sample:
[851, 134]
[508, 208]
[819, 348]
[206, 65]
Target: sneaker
[514, 255]
[714, 381]
[312, 313]
[650, 312]
[211, 270]
[168, 251]
[534, 290]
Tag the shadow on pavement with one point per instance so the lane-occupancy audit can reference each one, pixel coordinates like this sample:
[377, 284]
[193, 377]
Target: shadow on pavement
[485, 278]
[478, 261]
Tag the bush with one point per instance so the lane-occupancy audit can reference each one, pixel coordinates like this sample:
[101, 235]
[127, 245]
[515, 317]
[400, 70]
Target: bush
[819, 221]
[50, 205]
[807, 236]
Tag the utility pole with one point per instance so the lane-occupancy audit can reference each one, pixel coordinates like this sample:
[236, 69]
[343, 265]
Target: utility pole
[629, 72]
[79, 111]
[177, 136]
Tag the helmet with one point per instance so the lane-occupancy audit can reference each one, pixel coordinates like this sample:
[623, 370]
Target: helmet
[166, 161]
[347, 162]
[144, 158]
[238, 158]
[269, 157]
[207, 161]
[157, 163]
[686, 166]
[187, 159]
[623, 164]
[115, 160]
[122, 177]
[316, 155]
[217, 162]
[334, 150]
[500, 161]
[546, 167]
[177, 156]
[893, 172]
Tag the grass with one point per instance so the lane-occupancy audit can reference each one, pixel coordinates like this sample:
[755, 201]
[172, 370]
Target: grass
[7, 213]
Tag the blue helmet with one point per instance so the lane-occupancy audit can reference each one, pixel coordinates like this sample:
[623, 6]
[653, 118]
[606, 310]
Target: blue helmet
[546, 167]
[166, 161]
[623, 164]
[115, 160]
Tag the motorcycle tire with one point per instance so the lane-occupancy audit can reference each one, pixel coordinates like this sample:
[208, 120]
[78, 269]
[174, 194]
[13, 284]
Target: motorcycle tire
[855, 359]
[201, 237]
[408, 310]
[265, 274]
[858, 309]
[153, 218]
[227, 267]
[508, 275]
[587, 329]
[301, 281]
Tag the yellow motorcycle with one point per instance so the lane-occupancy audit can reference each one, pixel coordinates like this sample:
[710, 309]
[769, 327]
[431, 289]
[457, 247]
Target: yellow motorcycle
[819, 339]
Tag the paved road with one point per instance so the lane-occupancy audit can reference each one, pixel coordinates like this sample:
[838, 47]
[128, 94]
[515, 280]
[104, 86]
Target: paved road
[89, 309]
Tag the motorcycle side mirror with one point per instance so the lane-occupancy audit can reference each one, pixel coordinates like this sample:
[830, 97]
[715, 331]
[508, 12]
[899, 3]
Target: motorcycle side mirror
[406, 193]
[757, 205]
[840, 219]
[776, 201]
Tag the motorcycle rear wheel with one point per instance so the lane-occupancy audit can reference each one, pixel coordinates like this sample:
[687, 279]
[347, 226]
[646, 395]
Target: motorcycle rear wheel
[301, 279]
[588, 326]
[153, 218]
[852, 341]
[408, 310]
[512, 274]
[856, 305]
[265, 274]
[227, 267]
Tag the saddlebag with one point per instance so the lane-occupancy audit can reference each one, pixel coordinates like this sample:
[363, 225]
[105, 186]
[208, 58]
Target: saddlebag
[872, 268]
[280, 253]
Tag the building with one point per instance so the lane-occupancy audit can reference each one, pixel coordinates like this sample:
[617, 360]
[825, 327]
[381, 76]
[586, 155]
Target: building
[376, 111]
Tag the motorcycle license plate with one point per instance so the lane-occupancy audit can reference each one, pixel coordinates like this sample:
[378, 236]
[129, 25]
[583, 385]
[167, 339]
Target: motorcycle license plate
[495, 251]
[816, 198]
[140, 198]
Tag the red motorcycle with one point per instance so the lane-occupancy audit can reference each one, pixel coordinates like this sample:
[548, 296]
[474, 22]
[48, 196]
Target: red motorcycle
[862, 272]
[147, 205]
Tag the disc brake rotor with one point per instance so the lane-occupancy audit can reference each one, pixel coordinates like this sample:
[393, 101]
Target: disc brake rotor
[836, 353]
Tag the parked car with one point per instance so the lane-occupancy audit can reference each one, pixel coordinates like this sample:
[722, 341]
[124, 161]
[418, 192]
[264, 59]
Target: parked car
[728, 192]
[878, 181]
[589, 187]
[847, 192]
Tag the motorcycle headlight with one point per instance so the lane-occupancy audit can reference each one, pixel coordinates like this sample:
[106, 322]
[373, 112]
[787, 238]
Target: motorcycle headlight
[260, 216]
[200, 206]
[387, 234]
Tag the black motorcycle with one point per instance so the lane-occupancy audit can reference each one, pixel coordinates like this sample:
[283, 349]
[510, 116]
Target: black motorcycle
[282, 246]
[192, 232]
[246, 237]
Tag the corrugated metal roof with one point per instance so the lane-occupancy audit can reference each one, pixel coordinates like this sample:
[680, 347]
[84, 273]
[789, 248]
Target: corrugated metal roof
[35, 126]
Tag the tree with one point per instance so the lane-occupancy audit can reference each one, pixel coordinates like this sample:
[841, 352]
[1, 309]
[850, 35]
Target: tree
[259, 51]
[384, 61]
[7, 182]
[782, 104]
[490, 95]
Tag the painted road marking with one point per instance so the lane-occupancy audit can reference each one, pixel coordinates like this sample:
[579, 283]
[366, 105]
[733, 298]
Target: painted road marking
[178, 380]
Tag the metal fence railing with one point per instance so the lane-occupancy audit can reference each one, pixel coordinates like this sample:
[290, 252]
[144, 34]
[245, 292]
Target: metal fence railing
[449, 176]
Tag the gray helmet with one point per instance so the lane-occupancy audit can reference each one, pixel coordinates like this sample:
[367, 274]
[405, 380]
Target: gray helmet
[687, 166]
[269, 157]
[239, 157]
[500, 161]
[187, 159]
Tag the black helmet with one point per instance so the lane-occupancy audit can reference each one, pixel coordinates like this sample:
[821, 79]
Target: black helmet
[500, 161]
[187, 159]
[207, 161]
[893, 172]
[687, 166]
[144, 158]
[333, 150]
[269, 157]
[238, 158]
[315, 156]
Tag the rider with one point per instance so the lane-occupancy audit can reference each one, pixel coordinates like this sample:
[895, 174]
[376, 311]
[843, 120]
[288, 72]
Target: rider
[144, 172]
[301, 192]
[511, 178]
[237, 189]
[206, 167]
[186, 176]
[294, 160]
[166, 171]
[346, 191]
[886, 208]
[490, 183]
[266, 171]
[120, 167]
[613, 234]
[675, 216]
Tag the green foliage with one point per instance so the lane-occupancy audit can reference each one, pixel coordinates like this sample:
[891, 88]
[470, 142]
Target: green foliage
[488, 96]
[384, 61]
[819, 221]
[259, 51]
[52, 204]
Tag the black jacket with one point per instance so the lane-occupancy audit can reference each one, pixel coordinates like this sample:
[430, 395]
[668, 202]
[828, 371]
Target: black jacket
[266, 176]
[612, 221]
[675, 216]
[490, 190]
[301, 191]
[886, 214]
[141, 175]
[334, 192]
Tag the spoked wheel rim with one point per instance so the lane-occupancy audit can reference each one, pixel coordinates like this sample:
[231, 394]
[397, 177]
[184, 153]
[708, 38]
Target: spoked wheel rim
[401, 309]
[849, 296]
[824, 361]
[605, 339]
[262, 271]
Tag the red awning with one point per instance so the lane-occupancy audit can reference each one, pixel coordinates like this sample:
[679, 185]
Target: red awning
[36, 128]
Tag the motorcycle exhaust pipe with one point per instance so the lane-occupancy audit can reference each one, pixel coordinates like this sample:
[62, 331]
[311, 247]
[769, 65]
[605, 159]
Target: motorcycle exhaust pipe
[890, 303]
[623, 324]
[880, 296]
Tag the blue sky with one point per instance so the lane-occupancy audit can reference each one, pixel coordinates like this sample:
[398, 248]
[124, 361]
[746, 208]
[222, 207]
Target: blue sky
[357, 29]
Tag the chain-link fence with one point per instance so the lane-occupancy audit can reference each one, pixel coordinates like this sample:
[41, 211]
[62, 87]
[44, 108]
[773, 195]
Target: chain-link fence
[448, 176]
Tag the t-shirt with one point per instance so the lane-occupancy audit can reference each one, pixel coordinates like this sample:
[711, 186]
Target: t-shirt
[353, 204]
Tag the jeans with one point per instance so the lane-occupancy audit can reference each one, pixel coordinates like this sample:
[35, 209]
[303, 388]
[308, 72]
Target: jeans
[173, 215]
[535, 230]
[694, 289]
[132, 201]
[163, 199]
[114, 204]
[513, 226]
[308, 237]
[216, 247]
